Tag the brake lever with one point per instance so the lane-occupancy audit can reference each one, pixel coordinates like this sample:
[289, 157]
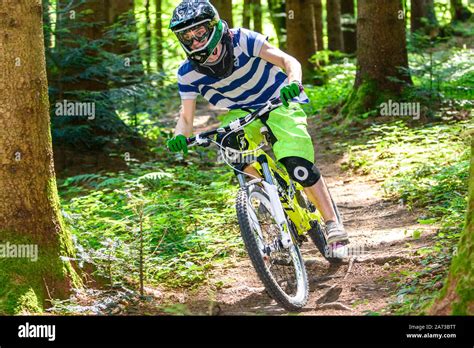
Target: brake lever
[201, 141]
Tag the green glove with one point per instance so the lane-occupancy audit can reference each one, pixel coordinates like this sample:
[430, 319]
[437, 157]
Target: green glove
[289, 92]
[177, 144]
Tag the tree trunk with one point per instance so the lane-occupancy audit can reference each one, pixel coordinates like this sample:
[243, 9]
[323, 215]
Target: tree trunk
[333, 8]
[257, 16]
[301, 28]
[431, 14]
[159, 36]
[113, 9]
[457, 296]
[278, 17]
[459, 12]
[349, 27]
[247, 13]
[423, 17]
[70, 82]
[148, 54]
[46, 24]
[381, 51]
[104, 13]
[224, 7]
[418, 12]
[318, 14]
[122, 12]
[29, 204]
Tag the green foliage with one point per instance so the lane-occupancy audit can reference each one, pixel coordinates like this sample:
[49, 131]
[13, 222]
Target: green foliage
[425, 167]
[176, 309]
[340, 79]
[418, 288]
[188, 220]
[443, 78]
[106, 72]
[23, 280]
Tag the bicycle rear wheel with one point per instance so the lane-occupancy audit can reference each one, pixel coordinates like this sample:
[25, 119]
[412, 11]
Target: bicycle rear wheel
[282, 271]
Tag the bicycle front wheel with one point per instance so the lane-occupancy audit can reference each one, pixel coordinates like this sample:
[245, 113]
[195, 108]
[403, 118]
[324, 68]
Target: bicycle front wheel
[281, 270]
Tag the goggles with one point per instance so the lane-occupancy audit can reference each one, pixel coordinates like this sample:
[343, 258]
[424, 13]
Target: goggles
[199, 32]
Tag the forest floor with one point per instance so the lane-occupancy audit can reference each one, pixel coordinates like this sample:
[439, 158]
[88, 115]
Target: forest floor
[381, 230]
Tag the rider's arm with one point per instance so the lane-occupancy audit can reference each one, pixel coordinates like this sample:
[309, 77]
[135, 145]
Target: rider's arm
[186, 117]
[283, 60]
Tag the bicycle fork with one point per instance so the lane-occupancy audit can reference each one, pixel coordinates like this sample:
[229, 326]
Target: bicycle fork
[276, 206]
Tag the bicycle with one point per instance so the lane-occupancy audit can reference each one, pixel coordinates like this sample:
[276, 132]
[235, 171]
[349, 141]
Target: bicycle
[274, 216]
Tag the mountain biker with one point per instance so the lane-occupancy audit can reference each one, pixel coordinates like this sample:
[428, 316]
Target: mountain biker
[238, 69]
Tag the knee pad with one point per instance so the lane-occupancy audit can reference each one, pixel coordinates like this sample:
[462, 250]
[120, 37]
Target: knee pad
[301, 170]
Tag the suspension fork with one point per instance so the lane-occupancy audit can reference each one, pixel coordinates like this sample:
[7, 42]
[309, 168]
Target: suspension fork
[271, 189]
[241, 179]
[278, 212]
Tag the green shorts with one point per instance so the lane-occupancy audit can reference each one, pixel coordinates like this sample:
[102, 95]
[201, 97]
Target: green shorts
[289, 127]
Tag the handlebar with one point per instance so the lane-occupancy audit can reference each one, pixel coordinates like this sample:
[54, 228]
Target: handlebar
[271, 105]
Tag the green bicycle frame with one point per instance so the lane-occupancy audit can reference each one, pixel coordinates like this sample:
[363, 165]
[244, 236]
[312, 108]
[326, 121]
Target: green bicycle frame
[300, 216]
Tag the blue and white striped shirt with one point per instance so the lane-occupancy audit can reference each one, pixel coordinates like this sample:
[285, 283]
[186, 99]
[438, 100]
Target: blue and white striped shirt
[253, 82]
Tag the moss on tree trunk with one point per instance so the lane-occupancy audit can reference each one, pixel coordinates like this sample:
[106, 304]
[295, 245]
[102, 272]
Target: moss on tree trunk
[457, 296]
[381, 55]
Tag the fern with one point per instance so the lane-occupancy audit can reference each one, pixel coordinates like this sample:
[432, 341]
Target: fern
[89, 179]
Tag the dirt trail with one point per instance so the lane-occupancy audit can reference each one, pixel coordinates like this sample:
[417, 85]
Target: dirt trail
[381, 229]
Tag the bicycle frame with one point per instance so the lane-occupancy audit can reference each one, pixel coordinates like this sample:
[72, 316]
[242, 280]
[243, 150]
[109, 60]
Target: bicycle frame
[283, 202]
[268, 169]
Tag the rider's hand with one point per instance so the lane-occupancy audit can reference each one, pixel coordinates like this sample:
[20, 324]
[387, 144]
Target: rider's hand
[289, 92]
[177, 144]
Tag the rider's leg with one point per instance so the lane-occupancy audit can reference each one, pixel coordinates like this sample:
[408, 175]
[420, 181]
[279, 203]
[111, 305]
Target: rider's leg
[307, 174]
[318, 194]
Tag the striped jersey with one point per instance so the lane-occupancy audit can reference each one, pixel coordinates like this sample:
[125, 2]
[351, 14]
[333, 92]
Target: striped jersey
[253, 82]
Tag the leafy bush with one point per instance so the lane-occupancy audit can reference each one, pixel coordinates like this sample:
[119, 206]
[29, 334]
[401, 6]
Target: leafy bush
[188, 221]
[340, 79]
